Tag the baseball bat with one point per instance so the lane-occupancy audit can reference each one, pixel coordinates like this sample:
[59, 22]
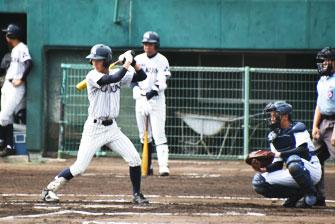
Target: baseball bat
[82, 85]
[145, 151]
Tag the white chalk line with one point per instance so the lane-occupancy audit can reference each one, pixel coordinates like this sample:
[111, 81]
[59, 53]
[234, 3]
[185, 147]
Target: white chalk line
[148, 196]
[127, 214]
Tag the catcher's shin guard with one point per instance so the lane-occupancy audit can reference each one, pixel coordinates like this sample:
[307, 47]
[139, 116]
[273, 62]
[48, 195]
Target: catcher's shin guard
[271, 191]
[303, 178]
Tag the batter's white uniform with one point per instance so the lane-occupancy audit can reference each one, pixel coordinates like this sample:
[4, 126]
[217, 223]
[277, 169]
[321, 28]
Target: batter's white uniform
[13, 98]
[158, 71]
[104, 105]
[283, 177]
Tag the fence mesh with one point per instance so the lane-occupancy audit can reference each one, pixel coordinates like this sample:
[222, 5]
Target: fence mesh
[205, 109]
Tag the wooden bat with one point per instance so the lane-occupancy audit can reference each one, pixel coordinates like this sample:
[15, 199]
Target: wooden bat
[145, 151]
[82, 85]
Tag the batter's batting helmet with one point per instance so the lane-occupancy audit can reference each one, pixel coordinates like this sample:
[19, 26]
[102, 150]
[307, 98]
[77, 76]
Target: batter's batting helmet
[13, 31]
[329, 54]
[101, 52]
[281, 107]
[151, 37]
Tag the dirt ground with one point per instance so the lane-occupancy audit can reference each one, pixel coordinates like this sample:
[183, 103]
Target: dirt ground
[195, 192]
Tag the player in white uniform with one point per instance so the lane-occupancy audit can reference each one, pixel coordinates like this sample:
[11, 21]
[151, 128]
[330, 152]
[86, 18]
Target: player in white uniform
[292, 145]
[103, 88]
[150, 100]
[14, 88]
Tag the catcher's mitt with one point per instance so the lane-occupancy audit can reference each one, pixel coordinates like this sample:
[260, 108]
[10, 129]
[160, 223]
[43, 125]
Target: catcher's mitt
[264, 157]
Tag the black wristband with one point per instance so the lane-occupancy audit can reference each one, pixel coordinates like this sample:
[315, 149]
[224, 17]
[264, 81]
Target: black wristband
[133, 63]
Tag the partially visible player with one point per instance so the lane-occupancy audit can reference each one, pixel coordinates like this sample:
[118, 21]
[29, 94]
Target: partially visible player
[150, 100]
[103, 88]
[324, 117]
[14, 88]
[292, 145]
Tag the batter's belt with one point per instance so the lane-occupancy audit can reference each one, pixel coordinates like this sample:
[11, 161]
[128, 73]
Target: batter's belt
[103, 122]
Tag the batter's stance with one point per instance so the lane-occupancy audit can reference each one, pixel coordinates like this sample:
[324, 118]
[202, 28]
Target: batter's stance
[14, 89]
[292, 145]
[103, 88]
[150, 100]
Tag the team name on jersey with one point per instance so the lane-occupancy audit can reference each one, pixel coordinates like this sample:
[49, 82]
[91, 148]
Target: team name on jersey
[110, 88]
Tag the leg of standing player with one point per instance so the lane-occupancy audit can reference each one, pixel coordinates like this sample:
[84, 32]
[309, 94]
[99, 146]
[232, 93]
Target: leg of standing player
[11, 99]
[93, 138]
[123, 146]
[157, 123]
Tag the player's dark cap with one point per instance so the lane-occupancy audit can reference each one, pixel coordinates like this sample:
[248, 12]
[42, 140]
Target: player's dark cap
[151, 37]
[101, 52]
[13, 31]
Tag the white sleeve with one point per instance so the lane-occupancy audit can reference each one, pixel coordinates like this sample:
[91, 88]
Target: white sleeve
[163, 74]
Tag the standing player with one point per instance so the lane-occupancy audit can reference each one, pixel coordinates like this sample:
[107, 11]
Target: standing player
[291, 143]
[324, 117]
[14, 89]
[150, 100]
[103, 88]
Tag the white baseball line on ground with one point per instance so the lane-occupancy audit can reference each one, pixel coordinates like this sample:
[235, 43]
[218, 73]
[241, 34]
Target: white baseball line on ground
[42, 205]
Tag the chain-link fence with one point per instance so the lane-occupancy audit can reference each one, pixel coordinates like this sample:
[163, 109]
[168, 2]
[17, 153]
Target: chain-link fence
[212, 113]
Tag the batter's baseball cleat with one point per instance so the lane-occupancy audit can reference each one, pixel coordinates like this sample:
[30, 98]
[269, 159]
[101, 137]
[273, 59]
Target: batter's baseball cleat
[7, 152]
[140, 199]
[49, 196]
[164, 171]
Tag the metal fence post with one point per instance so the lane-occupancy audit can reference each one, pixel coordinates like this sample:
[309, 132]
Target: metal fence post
[246, 111]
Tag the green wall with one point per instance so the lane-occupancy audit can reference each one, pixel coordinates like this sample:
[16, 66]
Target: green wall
[181, 24]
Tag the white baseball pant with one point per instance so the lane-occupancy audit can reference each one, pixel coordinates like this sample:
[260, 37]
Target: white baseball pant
[97, 135]
[11, 99]
[284, 178]
[156, 122]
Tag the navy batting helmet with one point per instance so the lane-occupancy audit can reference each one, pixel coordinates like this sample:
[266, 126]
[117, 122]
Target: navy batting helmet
[282, 108]
[13, 31]
[329, 54]
[101, 52]
[151, 37]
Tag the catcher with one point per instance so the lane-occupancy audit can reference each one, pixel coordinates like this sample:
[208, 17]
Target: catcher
[290, 144]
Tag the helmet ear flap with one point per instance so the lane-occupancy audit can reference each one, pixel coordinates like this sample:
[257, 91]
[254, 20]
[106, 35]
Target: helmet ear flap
[108, 60]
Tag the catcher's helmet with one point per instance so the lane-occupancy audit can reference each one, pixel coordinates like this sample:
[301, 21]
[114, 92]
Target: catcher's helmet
[13, 31]
[101, 52]
[151, 37]
[329, 54]
[281, 107]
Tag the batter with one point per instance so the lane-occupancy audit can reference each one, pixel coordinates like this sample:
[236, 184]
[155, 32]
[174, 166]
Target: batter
[103, 87]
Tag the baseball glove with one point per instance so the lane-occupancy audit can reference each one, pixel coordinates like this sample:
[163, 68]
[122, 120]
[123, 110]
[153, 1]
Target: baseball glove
[263, 158]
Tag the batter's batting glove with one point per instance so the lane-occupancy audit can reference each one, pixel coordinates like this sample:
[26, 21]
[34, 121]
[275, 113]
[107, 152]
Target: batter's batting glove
[128, 56]
[138, 93]
[122, 59]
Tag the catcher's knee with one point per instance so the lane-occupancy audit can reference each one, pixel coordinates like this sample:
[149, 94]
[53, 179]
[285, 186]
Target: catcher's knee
[295, 165]
[259, 184]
